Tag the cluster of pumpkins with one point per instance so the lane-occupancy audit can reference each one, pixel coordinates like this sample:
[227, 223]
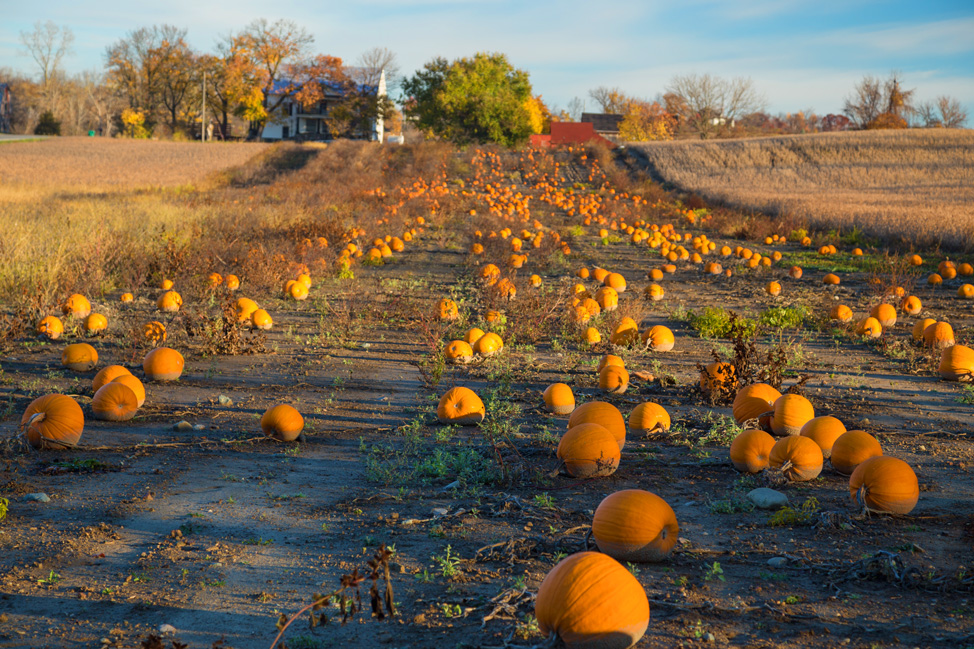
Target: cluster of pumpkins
[56, 421]
[590, 598]
[956, 361]
[476, 342]
[789, 438]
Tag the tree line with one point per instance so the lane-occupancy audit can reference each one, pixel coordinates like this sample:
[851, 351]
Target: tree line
[154, 83]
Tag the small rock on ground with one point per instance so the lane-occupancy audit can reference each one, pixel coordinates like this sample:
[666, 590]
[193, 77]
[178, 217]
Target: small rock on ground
[38, 497]
[764, 498]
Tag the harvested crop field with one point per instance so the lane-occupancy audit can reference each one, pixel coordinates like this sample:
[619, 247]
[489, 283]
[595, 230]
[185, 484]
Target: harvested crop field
[914, 186]
[98, 163]
[194, 524]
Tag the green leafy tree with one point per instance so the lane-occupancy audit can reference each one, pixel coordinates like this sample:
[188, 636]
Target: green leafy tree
[479, 99]
[48, 125]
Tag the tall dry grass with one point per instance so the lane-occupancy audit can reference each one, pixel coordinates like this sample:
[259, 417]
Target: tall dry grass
[72, 231]
[914, 187]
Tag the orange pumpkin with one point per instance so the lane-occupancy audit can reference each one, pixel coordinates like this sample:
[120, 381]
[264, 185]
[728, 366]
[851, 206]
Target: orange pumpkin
[589, 450]
[911, 305]
[869, 328]
[831, 280]
[558, 399]
[750, 451]
[114, 402]
[127, 297]
[625, 333]
[791, 412]
[659, 338]
[488, 344]
[824, 431]
[885, 313]
[885, 484]
[261, 319]
[473, 335]
[76, 306]
[601, 413]
[107, 374]
[966, 292]
[799, 458]
[170, 301]
[608, 298]
[460, 406]
[54, 421]
[957, 363]
[50, 327]
[163, 364]
[718, 376]
[938, 335]
[773, 288]
[95, 323]
[592, 336]
[245, 308]
[649, 418]
[635, 525]
[154, 332]
[134, 384]
[795, 272]
[79, 357]
[282, 422]
[616, 282]
[232, 282]
[458, 351]
[841, 312]
[613, 379]
[920, 327]
[753, 401]
[852, 449]
[297, 291]
[589, 600]
[448, 309]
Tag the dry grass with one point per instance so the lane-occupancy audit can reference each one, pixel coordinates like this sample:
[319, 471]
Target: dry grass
[912, 186]
[63, 235]
[97, 164]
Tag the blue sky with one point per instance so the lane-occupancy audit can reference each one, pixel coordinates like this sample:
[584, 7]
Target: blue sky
[801, 54]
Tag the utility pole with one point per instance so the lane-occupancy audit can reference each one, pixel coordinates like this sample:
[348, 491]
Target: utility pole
[203, 119]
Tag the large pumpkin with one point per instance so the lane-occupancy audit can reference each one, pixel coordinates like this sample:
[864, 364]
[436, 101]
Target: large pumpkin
[625, 333]
[134, 384]
[659, 338]
[448, 309]
[754, 400]
[824, 431]
[53, 421]
[885, 313]
[106, 374]
[170, 301]
[590, 601]
[76, 306]
[460, 406]
[649, 418]
[114, 401]
[50, 327]
[163, 364]
[613, 379]
[938, 335]
[589, 450]
[852, 449]
[458, 351]
[799, 458]
[885, 484]
[282, 422]
[79, 357]
[718, 376]
[635, 525]
[791, 412]
[488, 344]
[750, 450]
[245, 308]
[601, 413]
[559, 399]
[957, 363]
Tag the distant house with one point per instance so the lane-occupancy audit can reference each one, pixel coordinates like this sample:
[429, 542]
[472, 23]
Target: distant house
[605, 124]
[6, 109]
[297, 122]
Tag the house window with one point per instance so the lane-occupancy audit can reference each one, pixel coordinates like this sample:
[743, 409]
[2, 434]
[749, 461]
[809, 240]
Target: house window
[285, 132]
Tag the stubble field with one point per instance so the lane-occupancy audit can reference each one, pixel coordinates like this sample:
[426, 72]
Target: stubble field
[216, 531]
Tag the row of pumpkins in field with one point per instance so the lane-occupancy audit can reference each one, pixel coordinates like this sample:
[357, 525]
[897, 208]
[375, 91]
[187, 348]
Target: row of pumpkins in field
[635, 525]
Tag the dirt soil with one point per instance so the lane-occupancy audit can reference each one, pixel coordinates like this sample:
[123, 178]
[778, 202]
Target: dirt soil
[217, 531]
